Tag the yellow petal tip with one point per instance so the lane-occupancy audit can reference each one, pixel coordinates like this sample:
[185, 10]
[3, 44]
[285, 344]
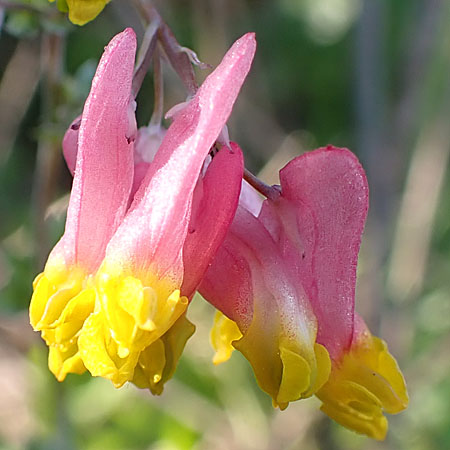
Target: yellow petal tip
[286, 368]
[223, 333]
[365, 384]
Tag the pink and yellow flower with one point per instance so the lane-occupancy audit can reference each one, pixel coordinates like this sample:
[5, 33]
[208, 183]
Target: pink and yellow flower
[329, 188]
[64, 294]
[284, 281]
[113, 295]
[266, 314]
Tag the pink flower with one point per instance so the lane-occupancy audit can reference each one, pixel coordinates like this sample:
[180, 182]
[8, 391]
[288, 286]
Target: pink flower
[139, 266]
[64, 294]
[329, 187]
[284, 280]
[267, 315]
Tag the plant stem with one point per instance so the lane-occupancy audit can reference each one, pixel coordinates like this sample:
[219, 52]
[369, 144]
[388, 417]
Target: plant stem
[158, 82]
[145, 55]
[175, 52]
[270, 192]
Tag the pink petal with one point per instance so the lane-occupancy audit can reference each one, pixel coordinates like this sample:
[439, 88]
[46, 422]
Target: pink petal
[140, 170]
[249, 263]
[329, 188]
[104, 167]
[212, 214]
[227, 284]
[154, 230]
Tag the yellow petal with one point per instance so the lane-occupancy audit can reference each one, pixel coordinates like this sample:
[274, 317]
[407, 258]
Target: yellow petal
[83, 11]
[137, 314]
[62, 362]
[364, 384]
[295, 377]
[61, 302]
[296, 380]
[157, 362]
[100, 353]
[286, 367]
[52, 291]
[149, 370]
[376, 427]
[223, 333]
[135, 330]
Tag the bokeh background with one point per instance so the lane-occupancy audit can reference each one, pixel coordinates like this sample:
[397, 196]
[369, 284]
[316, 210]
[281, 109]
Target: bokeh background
[371, 75]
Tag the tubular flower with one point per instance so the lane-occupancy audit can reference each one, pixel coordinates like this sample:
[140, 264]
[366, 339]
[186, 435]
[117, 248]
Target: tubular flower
[265, 313]
[136, 327]
[314, 228]
[329, 189]
[64, 294]
[81, 11]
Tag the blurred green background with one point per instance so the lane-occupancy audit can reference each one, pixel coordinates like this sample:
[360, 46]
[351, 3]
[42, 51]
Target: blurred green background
[371, 75]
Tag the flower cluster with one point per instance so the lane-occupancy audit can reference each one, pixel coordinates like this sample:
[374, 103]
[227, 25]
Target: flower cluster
[155, 216]
[113, 294]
